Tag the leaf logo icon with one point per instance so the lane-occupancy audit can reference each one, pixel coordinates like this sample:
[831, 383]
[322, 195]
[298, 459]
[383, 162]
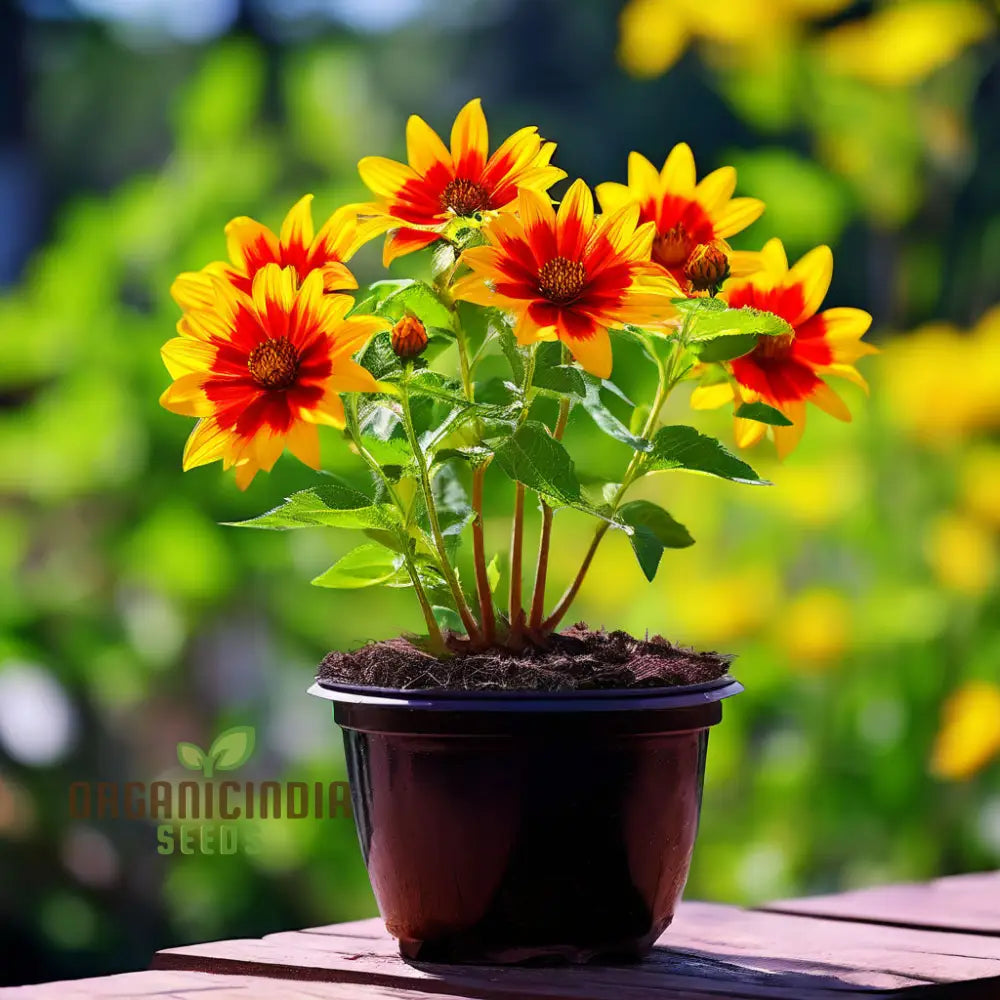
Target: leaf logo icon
[229, 750]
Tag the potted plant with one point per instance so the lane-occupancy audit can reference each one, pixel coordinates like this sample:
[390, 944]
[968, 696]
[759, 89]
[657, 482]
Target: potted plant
[521, 789]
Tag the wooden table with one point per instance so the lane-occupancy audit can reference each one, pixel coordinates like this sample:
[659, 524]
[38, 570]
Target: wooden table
[938, 940]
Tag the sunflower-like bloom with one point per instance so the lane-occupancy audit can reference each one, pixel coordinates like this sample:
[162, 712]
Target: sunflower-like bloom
[261, 371]
[569, 276]
[252, 245]
[687, 214]
[418, 201]
[786, 371]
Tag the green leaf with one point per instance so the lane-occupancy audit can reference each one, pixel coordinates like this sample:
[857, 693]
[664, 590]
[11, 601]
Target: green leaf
[533, 457]
[699, 306]
[380, 359]
[333, 506]
[563, 380]
[493, 573]
[681, 447]
[707, 325]
[447, 618]
[191, 756]
[763, 414]
[653, 531]
[418, 298]
[727, 348]
[514, 354]
[365, 566]
[232, 748]
[604, 418]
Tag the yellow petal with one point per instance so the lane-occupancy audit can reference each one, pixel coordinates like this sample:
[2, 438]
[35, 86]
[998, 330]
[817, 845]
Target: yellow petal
[303, 442]
[245, 472]
[534, 209]
[736, 215]
[678, 174]
[182, 355]
[340, 236]
[527, 331]
[424, 147]
[297, 228]
[829, 402]
[574, 220]
[274, 291]
[186, 397]
[813, 271]
[384, 176]
[715, 189]
[772, 254]
[746, 433]
[711, 397]
[208, 443]
[349, 376]
[593, 354]
[643, 177]
[328, 410]
[786, 439]
[613, 196]
[844, 323]
[250, 244]
[469, 134]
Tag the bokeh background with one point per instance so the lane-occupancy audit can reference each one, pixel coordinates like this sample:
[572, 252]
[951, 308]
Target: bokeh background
[861, 593]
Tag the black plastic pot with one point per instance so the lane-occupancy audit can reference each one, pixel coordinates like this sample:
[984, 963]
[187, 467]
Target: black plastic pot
[506, 827]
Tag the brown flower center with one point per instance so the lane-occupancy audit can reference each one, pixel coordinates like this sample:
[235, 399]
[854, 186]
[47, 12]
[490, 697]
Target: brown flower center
[773, 348]
[561, 280]
[672, 248]
[274, 364]
[465, 197]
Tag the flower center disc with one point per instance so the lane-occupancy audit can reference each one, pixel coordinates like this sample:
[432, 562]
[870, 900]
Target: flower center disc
[561, 280]
[274, 364]
[465, 197]
[672, 248]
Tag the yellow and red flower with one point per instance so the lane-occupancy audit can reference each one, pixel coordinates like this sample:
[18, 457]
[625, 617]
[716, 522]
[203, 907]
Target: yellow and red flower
[787, 371]
[417, 201]
[569, 275]
[252, 245]
[261, 371]
[687, 213]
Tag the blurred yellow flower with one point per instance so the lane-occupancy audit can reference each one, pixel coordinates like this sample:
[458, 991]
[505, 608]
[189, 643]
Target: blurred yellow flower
[969, 735]
[722, 606]
[979, 483]
[903, 43]
[818, 491]
[815, 628]
[940, 383]
[962, 553]
[655, 33]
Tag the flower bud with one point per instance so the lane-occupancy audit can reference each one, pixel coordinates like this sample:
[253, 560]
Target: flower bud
[409, 337]
[707, 267]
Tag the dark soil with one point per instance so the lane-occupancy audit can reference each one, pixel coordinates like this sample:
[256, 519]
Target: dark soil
[576, 659]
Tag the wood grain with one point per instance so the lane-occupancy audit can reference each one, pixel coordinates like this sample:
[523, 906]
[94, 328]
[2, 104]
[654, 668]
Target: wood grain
[177, 985]
[711, 951]
[967, 903]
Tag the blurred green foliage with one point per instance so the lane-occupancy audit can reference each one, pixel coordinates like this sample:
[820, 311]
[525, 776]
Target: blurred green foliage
[859, 593]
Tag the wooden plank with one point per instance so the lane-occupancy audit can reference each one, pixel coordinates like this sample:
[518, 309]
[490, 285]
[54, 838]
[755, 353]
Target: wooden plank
[966, 903]
[711, 951]
[178, 985]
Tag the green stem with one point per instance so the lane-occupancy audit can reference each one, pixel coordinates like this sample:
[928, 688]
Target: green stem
[433, 629]
[471, 626]
[669, 376]
[545, 540]
[515, 604]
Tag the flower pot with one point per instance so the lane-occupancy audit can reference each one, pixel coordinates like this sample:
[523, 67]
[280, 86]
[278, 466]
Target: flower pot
[511, 826]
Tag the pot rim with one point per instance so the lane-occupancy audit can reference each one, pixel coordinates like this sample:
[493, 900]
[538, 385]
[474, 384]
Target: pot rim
[589, 700]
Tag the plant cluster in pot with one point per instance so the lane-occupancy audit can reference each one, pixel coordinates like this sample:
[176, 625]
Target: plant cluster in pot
[522, 789]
